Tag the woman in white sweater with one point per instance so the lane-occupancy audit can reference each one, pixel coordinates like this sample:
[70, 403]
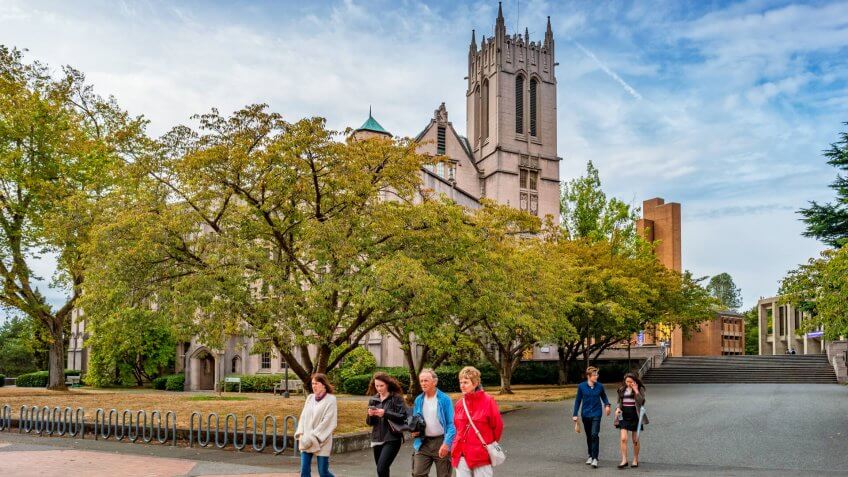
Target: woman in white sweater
[315, 428]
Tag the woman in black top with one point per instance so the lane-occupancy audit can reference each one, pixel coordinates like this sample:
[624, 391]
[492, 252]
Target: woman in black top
[629, 416]
[386, 404]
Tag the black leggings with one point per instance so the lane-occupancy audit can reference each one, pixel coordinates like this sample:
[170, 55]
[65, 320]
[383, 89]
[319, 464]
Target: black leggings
[384, 455]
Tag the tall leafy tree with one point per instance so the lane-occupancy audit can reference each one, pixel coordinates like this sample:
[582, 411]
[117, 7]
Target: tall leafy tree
[59, 144]
[820, 289]
[587, 213]
[752, 327]
[725, 290]
[829, 222]
[249, 224]
[23, 348]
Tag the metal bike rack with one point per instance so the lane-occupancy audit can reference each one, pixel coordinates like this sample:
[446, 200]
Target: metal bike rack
[146, 427]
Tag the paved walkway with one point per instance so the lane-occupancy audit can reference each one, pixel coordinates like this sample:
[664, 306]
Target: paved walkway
[696, 430]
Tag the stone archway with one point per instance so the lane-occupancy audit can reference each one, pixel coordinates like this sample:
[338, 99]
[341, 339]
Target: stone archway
[203, 370]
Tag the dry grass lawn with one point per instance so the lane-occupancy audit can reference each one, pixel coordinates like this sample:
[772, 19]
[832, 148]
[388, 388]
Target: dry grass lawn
[351, 409]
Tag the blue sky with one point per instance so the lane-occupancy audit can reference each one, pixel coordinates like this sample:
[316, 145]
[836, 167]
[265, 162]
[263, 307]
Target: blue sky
[724, 107]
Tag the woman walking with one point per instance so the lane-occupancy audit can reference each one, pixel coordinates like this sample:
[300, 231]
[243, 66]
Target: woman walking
[385, 410]
[630, 416]
[315, 427]
[469, 455]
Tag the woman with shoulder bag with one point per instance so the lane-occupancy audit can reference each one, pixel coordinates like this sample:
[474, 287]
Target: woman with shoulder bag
[630, 416]
[387, 415]
[315, 427]
[478, 429]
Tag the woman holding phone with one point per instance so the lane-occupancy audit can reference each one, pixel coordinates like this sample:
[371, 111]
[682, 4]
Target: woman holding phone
[629, 415]
[385, 408]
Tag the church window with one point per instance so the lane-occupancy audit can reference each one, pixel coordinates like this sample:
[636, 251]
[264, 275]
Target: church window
[266, 360]
[477, 115]
[519, 104]
[484, 110]
[440, 141]
[440, 169]
[528, 182]
[534, 84]
[235, 364]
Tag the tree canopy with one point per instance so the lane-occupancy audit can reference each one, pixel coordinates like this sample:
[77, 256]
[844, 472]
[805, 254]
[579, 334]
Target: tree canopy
[725, 291]
[829, 222]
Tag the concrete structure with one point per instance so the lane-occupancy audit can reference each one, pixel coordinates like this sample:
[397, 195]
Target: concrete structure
[511, 159]
[779, 329]
[837, 355]
[660, 225]
[722, 336]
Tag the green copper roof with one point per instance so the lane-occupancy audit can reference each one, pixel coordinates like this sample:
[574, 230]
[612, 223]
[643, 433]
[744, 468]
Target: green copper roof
[372, 125]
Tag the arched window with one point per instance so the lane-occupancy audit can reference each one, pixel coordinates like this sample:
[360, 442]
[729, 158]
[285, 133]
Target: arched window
[534, 97]
[519, 104]
[484, 113]
[236, 362]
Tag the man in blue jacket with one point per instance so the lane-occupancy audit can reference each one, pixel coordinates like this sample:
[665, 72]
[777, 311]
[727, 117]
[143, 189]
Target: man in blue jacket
[591, 395]
[434, 446]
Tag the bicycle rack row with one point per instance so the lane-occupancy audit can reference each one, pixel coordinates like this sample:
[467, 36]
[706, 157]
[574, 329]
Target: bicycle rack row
[148, 426]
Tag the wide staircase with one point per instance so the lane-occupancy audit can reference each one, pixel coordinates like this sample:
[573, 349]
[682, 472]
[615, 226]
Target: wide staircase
[743, 369]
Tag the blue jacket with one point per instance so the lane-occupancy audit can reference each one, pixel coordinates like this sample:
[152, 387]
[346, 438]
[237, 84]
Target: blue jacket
[445, 417]
[591, 399]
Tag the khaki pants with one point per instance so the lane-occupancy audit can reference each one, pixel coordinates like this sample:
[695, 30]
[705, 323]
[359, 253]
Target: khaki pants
[427, 455]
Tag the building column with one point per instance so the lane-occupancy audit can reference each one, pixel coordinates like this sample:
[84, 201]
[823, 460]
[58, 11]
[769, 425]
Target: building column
[762, 332]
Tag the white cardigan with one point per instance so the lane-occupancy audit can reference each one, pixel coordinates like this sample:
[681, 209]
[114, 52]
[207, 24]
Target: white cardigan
[318, 419]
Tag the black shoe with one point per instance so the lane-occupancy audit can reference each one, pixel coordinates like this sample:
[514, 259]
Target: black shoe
[635, 466]
[623, 466]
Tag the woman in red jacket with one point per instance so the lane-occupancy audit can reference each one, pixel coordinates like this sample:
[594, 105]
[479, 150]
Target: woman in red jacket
[469, 455]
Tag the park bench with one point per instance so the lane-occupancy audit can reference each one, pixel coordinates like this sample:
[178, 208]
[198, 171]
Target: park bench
[72, 381]
[234, 380]
[295, 386]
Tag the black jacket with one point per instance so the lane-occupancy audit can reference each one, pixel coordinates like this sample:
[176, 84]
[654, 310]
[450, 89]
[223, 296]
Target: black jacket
[396, 411]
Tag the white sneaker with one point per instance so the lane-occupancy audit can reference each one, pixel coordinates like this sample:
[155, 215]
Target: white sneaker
[589, 461]
[595, 463]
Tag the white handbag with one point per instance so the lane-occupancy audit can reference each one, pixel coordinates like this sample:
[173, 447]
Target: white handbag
[496, 453]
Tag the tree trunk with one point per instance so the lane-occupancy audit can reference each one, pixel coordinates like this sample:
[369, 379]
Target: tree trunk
[56, 365]
[562, 365]
[505, 370]
[414, 385]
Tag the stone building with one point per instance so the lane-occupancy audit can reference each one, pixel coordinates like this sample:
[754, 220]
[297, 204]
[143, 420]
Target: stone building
[780, 328]
[511, 158]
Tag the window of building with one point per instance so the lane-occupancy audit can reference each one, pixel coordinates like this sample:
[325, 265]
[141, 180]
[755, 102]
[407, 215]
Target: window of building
[440, 141]
[797, 318]
[534, 84]
[477, 115]
[528, 182]
[519, 104]
[235, 364]
[266, 360]
[781, 320]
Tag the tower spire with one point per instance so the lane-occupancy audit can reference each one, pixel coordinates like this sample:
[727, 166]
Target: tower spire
[473, 41]
[500, 27]
[549, 34]
[526, 35]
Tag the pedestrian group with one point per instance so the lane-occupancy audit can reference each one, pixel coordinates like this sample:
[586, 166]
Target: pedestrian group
[461, 436]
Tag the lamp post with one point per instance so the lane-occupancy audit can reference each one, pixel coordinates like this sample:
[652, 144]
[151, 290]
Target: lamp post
[286, 378]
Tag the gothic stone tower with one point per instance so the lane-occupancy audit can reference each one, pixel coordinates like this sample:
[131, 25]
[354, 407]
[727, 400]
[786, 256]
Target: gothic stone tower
[512, 122]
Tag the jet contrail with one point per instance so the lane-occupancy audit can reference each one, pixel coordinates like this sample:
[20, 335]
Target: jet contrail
[609, 72]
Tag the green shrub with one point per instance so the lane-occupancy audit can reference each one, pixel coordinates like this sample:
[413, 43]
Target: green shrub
[160, 383]
[257, 383]
[2, 380]
[39, 379]
[358, 361]
[357, 385]
[175, 382]
[536, 373]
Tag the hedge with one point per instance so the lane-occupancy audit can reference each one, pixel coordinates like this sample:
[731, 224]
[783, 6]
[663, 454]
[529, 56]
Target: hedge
[2, 380]
[175, 382]
[160, 382]
[39, 379]
[257, 383]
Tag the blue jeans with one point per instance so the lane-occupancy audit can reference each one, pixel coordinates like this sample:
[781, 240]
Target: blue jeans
[592, 428]
[306, 465]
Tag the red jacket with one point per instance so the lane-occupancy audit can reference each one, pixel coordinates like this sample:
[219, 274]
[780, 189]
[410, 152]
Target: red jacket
[487, 417]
